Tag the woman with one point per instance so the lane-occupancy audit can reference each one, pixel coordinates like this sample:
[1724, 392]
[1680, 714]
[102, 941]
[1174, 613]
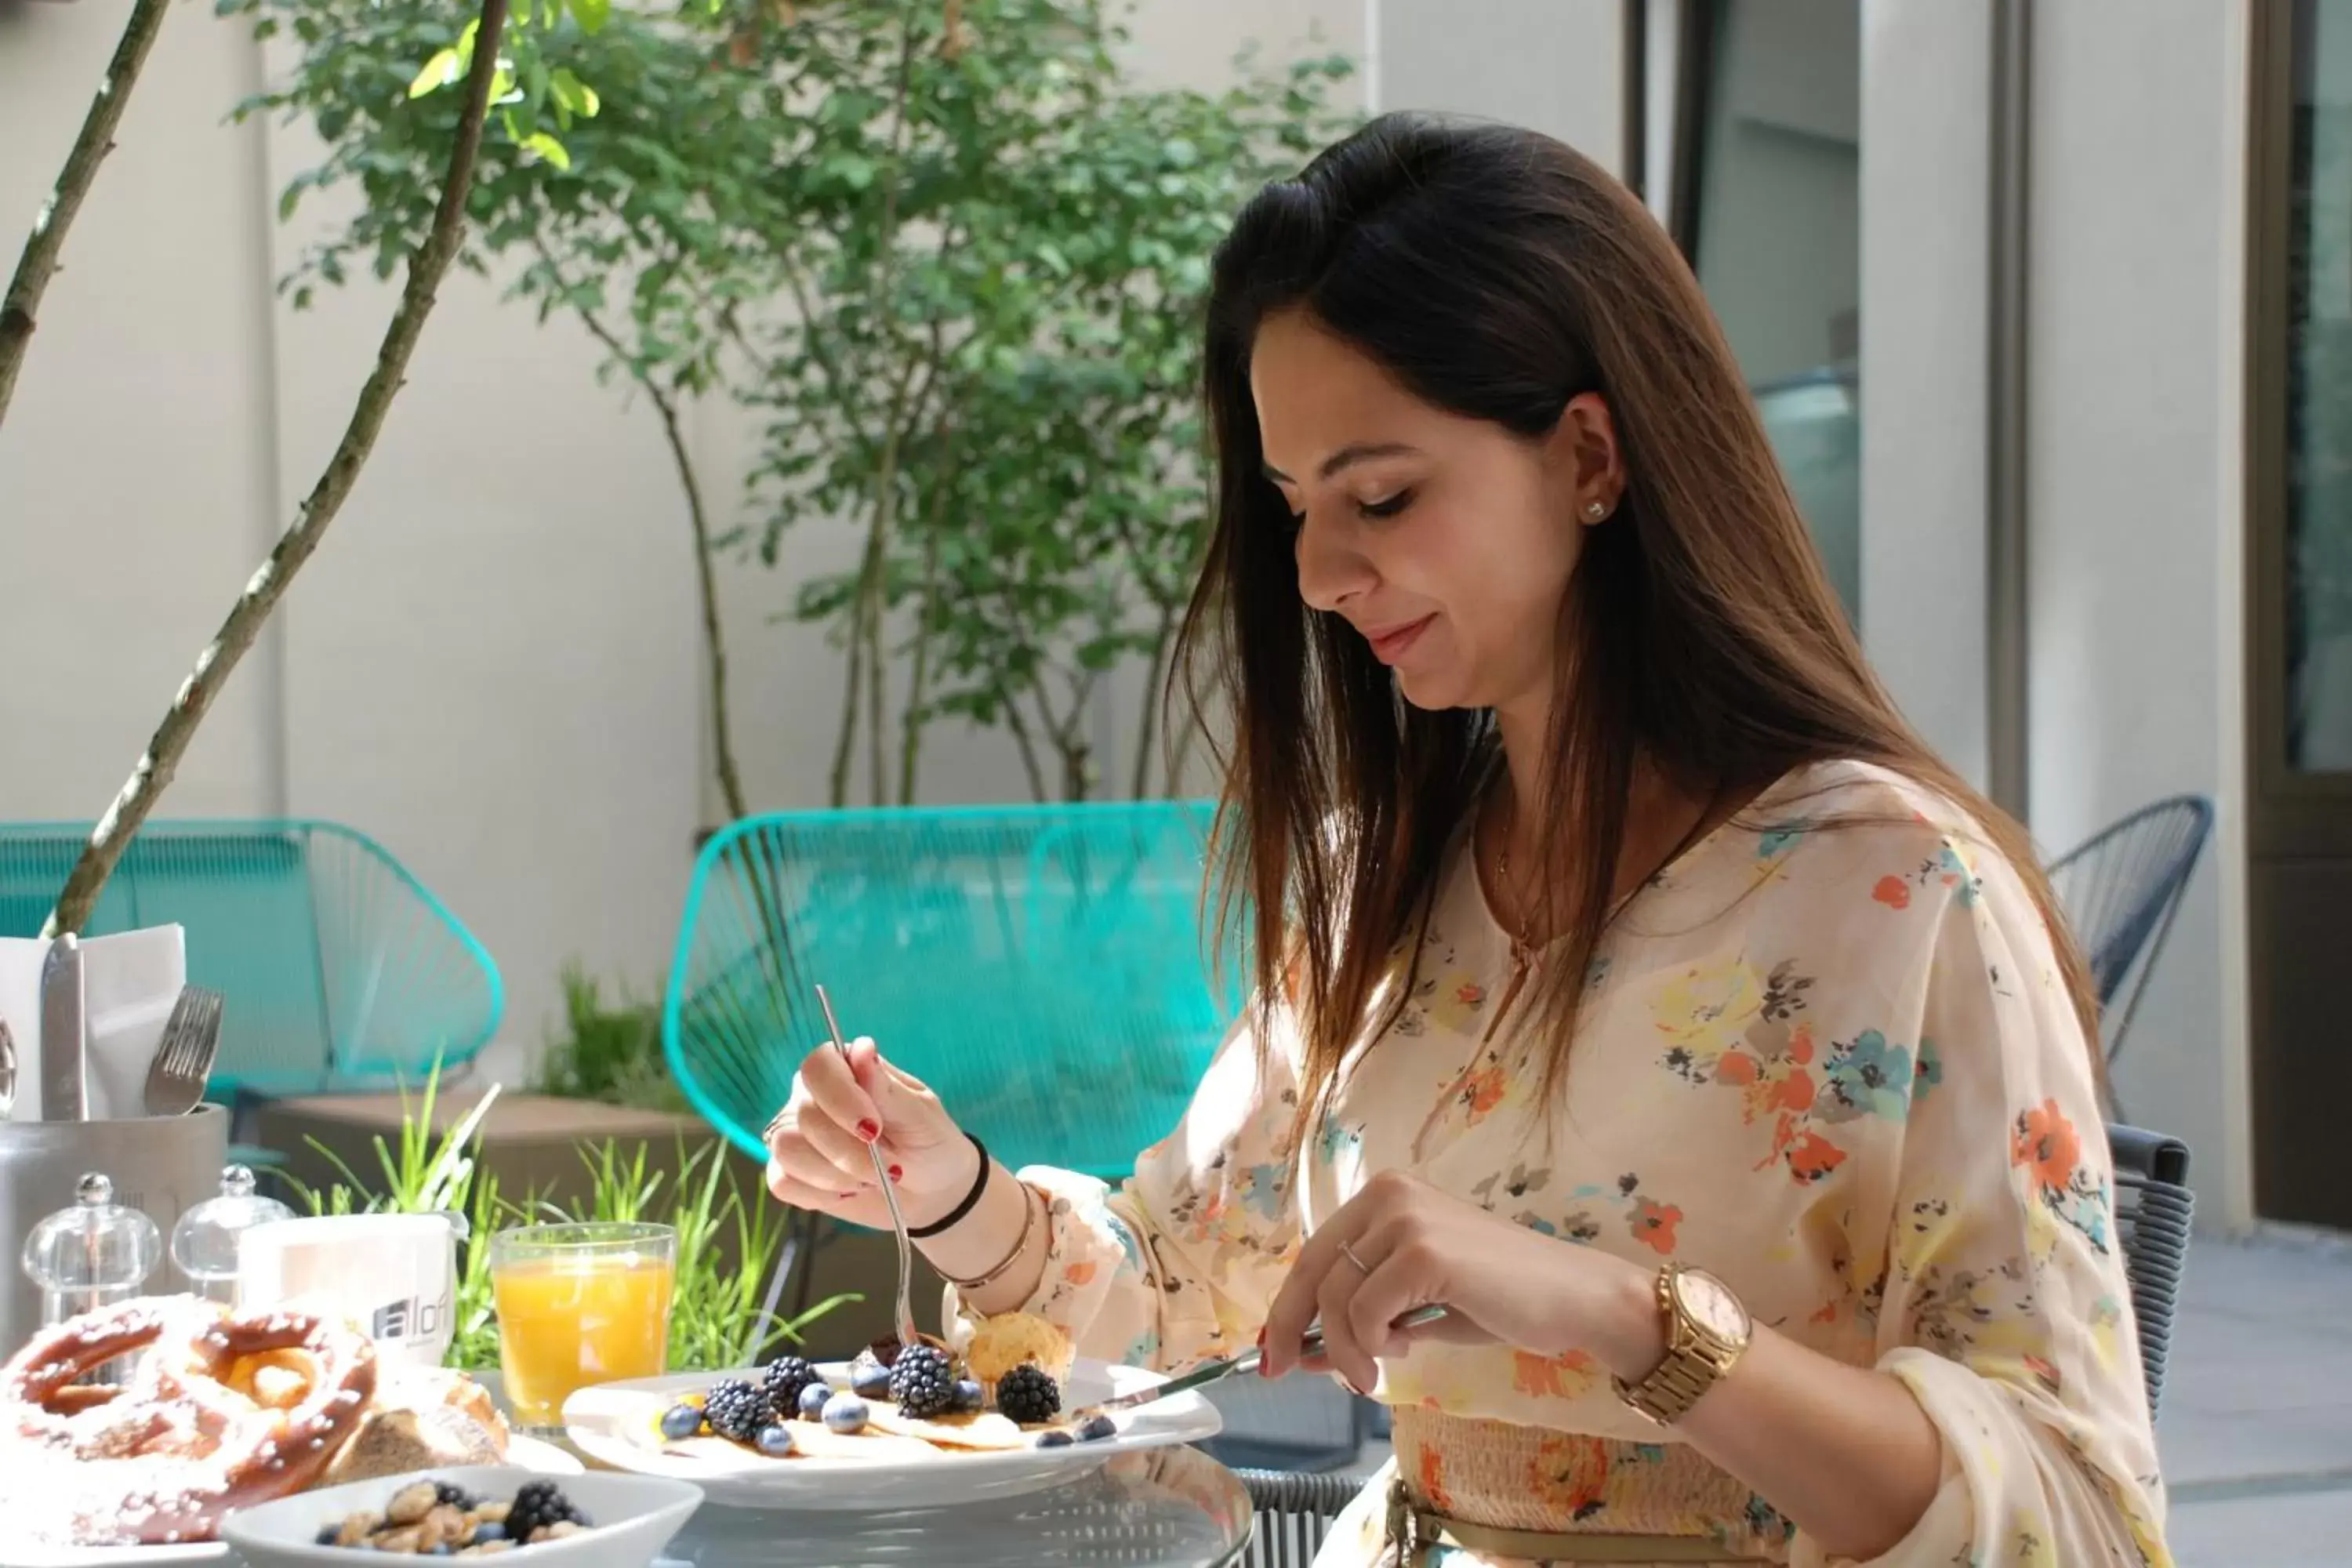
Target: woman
[1630, 981]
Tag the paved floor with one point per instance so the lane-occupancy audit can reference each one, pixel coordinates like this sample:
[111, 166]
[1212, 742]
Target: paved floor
[2257, 1419]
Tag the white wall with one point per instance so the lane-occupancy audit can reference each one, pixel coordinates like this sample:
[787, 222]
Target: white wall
[493, 665]
[135, 469]
[1555, 65]
[2135, 295]
[2134, 571]
[1925, 122]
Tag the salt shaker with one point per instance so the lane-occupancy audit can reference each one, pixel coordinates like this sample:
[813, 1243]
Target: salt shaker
[204, 1242]
[90, 1256]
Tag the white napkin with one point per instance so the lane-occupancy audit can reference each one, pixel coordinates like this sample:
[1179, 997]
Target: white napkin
[129, 981]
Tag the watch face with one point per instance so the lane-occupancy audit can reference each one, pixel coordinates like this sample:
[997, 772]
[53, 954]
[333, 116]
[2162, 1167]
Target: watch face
[1712, 1306]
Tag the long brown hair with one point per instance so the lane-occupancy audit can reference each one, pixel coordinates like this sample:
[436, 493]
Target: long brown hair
[1498, 274]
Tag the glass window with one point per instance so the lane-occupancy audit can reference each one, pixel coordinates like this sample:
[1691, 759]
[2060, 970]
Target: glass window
[2319, 394]
[1776, 238]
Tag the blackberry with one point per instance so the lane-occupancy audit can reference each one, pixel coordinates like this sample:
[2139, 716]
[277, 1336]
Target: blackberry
[1028, 1394]
[735, 1409]
[783, 1382]
[922, 1383]
[451, 1495]
[537, 1505]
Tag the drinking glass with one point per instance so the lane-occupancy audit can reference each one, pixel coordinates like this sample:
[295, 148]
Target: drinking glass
[579, 1305]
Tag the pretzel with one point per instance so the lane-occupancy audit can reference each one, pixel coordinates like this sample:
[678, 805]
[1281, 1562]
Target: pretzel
[178, 1448]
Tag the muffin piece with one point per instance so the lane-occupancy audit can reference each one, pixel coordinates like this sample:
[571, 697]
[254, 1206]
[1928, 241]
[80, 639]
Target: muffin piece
[1017, 1339]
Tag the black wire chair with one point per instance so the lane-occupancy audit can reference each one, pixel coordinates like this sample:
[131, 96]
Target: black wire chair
[1295, 1511]
[2120, 890]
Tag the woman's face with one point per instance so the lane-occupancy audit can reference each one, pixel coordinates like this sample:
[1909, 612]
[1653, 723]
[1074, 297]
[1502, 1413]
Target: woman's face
[1446, 541]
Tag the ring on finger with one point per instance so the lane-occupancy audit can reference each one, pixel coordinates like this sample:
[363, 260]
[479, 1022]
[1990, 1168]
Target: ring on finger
[1349, 1253]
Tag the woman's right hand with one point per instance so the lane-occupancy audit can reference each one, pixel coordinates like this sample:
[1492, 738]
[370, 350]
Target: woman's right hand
[817, 1144]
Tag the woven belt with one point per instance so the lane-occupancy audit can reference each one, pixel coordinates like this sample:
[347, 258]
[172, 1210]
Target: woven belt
[1412, 1530]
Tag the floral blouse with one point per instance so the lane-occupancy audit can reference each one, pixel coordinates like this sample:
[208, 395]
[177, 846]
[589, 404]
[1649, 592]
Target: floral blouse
[1834, 1065]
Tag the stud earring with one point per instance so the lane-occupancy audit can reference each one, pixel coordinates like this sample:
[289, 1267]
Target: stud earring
[1595, 511]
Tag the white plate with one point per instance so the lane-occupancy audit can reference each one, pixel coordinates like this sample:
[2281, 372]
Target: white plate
[616, 1423]
[528, 1453]
[632, 1517]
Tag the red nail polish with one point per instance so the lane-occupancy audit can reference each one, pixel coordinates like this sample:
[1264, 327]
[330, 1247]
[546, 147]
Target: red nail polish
[897, 1174]
[869, 1130]
[849, 1195]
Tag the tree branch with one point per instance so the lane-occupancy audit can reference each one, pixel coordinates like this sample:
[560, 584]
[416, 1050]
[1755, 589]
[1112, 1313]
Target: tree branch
[730, 780]
[911, 721]
[426, 267]
[1029, 763]
[39, 263]
[845, 743]
[1154, 709]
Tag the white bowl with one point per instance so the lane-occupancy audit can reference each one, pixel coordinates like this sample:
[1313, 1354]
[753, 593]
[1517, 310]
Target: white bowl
[634, 1516]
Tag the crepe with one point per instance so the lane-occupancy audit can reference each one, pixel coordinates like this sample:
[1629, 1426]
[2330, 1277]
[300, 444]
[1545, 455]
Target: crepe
[985, 1431]
[810, 1441]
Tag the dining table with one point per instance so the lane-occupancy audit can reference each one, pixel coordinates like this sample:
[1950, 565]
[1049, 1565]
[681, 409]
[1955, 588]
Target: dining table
[1160, 1508]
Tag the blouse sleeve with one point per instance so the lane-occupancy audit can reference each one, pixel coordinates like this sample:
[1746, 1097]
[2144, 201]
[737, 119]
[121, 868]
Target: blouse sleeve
[2005, 1307]
[1180, 1264]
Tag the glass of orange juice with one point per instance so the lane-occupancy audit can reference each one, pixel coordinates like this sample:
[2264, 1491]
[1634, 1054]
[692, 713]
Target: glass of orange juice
[579, 1305]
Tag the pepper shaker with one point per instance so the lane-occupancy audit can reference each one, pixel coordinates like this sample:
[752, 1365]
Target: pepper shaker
[93, 1255]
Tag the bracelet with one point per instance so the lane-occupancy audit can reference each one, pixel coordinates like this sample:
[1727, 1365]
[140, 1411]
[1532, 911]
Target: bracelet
[1030, 1201]
[970, 1199]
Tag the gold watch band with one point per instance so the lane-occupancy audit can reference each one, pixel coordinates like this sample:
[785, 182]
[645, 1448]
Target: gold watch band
[1692, 1365]
[1669, 1392]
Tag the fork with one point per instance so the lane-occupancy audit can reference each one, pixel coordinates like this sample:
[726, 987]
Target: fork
[908, 1336]
[184, 1061]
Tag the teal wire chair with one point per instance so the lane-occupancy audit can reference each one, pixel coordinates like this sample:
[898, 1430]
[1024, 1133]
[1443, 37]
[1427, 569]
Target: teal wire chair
[1043, 968]
[338, 970]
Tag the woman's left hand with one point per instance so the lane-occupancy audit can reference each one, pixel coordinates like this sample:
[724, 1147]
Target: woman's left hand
[1401, 1245]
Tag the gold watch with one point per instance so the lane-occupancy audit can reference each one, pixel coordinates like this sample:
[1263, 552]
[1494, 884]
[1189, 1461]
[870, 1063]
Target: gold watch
[1706, 1332]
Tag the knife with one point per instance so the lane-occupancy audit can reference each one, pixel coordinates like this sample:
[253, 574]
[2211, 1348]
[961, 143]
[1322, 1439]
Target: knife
[64, 1091]
[1210, 1372]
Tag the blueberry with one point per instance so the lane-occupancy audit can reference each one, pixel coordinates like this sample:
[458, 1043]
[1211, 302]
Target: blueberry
[1095, 1427]
[681, 1421]
[440, 1548]
[490, 1530]
[328, 1534]
[813, 1400]
[773, 1441]
[1054, 1438]
[845, 1414]
[968, 1397]
[870, 1382]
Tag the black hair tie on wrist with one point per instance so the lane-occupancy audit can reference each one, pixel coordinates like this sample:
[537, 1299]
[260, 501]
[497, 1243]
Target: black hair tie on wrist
[955, 1216]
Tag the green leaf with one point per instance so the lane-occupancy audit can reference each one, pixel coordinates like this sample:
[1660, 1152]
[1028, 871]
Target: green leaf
[439, 72]
[592, 15]
[574, 94]
[548, 148]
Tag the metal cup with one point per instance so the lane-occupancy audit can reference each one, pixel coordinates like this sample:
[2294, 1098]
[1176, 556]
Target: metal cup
[160, 1165]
